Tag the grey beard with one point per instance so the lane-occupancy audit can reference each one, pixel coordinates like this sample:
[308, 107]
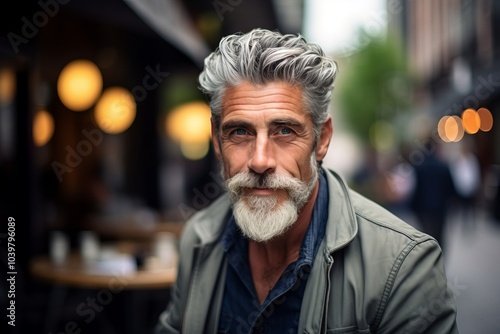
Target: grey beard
[261, 218]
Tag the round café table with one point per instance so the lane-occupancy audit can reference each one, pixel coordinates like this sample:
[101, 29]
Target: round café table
[73, 273]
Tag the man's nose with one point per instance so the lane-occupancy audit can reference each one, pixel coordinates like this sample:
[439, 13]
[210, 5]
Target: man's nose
[262, 158]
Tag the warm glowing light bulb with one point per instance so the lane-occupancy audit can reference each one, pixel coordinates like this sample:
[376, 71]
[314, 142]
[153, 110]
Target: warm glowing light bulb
[79, 85]
[43, 128]
[115, 111]
[453, 129]
[7, 85]
[189, 124]
[471, 121]
[486, 119]
[441, 129]
[195, 150]
[458, 129]
[450, 129]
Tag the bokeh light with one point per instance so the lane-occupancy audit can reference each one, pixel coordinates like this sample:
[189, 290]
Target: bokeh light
[440, 127]
[450, 129]
[189, 124]
[471, 121]
[79, 85]
[382, 136]
[115, 111]
[454, 128]
[194, 150]
[43, 128]
[7, 85]
[486, 119]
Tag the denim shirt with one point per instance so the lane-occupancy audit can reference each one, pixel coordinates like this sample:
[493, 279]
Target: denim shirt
[241, 311]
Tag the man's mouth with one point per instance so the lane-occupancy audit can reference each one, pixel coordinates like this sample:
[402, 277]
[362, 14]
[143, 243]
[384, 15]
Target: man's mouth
[259, 191]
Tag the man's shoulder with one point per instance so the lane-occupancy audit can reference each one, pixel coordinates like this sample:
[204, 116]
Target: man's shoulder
[353, 215]
[374, 221]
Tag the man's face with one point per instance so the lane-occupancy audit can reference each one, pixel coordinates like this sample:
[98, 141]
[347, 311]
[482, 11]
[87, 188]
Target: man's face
[265, 143]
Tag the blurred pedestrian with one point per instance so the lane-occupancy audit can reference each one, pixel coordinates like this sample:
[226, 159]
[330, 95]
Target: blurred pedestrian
[400, 183]
[433, 192]
[466, 174]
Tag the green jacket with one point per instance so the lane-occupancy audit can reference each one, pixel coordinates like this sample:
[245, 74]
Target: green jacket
[373, 273]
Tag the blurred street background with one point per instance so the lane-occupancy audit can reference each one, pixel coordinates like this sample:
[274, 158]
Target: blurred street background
[473, 273]
[105, 151]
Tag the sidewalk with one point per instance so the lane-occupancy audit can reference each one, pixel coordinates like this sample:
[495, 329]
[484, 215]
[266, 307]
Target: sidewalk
[473, 267]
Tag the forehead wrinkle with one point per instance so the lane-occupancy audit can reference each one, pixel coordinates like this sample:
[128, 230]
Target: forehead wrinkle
[286, 102]
[263, 92]
[242, 99]
[269, 87]
[277, 97]
[256, 93]
[272, 106]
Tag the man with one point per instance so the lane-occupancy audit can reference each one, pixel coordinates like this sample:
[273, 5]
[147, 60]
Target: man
[434, 190]
[291, 249]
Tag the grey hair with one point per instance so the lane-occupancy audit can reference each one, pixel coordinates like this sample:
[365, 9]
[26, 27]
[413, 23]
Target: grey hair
[262, 56]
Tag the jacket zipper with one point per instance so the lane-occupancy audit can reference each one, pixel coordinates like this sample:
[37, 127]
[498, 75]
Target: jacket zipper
[327, 294]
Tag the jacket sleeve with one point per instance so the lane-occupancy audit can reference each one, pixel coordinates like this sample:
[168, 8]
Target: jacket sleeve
[170, 320]
[417, 298]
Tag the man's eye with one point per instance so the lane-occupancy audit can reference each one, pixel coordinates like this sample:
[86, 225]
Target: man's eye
[240, 132]
[285, 131]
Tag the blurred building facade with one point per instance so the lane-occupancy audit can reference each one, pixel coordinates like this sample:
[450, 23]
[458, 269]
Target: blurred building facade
[453, 48]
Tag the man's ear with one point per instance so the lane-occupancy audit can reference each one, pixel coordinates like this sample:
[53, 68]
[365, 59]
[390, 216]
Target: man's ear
[215, 139]
[324, 139]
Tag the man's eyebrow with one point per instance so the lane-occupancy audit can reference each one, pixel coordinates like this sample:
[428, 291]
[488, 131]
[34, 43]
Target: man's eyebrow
[234, 124]
[229, 125]
[285, 121]
[288, 122]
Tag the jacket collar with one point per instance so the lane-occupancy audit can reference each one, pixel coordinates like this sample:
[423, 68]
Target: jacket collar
[209, 223]
[341, 226]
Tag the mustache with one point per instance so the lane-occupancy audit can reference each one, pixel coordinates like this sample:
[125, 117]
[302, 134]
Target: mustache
[269, 181]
